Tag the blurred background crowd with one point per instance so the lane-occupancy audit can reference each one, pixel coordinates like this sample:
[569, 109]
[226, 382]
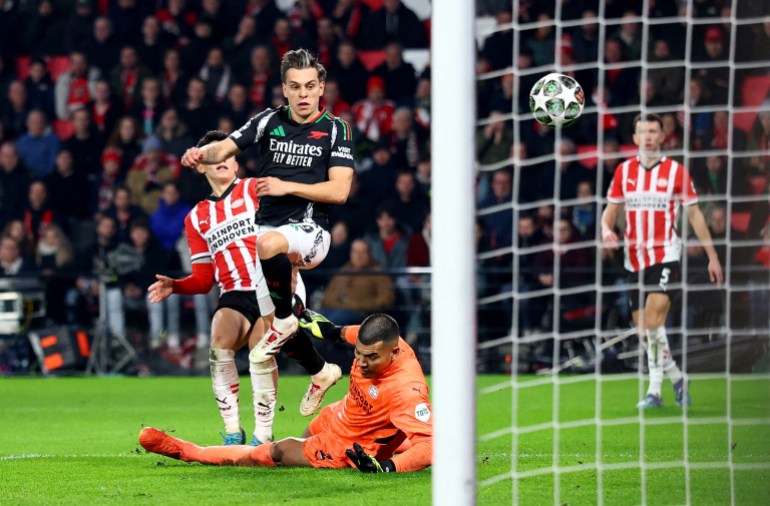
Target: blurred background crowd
[100, 98]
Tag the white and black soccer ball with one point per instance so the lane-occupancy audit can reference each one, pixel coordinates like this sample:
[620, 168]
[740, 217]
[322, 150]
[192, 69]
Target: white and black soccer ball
[556, 100]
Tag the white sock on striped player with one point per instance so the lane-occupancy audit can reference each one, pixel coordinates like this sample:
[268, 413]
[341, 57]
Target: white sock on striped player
[225, 382]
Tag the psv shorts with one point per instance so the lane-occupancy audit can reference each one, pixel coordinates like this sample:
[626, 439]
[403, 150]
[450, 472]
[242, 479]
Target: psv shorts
[660, 278]
[308, 240]
[247, 304]
[323, 449]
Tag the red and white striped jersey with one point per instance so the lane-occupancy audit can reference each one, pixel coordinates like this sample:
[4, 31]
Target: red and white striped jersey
[652, 197]
[222, 230]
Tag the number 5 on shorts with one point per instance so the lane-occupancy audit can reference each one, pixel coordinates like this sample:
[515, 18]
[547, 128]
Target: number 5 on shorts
[664, 279]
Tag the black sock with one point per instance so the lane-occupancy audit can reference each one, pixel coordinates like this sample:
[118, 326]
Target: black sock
[278, 275]
[301, 350]
[298, 306]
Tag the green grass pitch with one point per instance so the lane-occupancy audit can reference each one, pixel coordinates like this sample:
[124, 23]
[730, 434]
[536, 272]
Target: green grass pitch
[74, 441]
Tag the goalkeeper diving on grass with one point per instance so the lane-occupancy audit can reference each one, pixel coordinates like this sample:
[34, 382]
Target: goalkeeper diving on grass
[385, 411]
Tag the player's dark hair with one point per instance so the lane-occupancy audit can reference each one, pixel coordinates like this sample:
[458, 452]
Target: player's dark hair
[301, 59]
[388, 209]
[650, 116]
[171, 183]
[211, 137]
[378, 328]
[140, 222]
[121, 188]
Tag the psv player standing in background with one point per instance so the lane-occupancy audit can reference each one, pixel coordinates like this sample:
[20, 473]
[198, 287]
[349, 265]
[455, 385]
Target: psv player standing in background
[305, 163]
[652, 187]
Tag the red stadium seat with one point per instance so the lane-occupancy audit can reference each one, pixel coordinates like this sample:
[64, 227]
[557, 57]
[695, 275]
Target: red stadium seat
[740, 221]
[373, 4]
[63, 129]
[757, 184]
[753, 92]
[371, 59]
[591, 154]
[22, 66]
[58, 65]
[628, 150]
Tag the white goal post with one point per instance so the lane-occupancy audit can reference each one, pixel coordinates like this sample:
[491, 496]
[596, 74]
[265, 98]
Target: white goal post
[453, 325]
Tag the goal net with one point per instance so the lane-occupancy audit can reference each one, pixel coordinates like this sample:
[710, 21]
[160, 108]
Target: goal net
[553, 305]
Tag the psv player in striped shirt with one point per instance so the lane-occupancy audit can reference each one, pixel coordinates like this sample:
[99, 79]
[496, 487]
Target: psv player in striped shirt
[652, 187]
[222, 237]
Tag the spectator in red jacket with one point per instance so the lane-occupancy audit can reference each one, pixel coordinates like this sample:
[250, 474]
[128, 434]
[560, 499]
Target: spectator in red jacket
[374, 114]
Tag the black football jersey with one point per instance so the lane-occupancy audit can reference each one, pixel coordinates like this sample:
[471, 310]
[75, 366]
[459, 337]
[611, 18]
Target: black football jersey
[301, 153]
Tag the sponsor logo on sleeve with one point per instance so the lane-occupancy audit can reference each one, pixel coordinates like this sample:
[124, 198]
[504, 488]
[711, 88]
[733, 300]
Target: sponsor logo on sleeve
[342, 152]
[421, 412]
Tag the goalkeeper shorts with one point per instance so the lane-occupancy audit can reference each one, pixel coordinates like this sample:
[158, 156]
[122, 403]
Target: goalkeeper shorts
[324, 449]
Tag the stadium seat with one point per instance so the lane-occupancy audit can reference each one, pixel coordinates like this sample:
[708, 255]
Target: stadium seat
[63, 129]
[22, 67]
[757, 184]
[58, 65]
[419, 58]
[740, 221]
[371, 59]
[753, 93]
[628, 150]
[373, 4]
[485, 26]
[591, 155]
[582, 313]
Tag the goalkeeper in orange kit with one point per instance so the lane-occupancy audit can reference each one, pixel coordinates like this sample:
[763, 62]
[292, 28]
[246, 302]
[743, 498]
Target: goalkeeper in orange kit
[386, 408]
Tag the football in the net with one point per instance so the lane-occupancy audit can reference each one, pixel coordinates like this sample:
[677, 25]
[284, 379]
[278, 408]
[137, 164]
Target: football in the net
[556, 100]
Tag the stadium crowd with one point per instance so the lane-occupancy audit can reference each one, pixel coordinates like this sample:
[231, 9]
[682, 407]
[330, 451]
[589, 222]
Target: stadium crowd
[99, 99]
[592, 149]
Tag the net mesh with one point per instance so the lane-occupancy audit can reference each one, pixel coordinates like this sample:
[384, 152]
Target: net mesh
[553, 305]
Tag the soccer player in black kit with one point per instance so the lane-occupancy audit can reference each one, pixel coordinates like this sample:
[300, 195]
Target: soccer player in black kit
[305, 164]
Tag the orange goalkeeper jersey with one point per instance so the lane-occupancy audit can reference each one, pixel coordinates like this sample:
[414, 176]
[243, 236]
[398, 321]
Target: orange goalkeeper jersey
[380, 413]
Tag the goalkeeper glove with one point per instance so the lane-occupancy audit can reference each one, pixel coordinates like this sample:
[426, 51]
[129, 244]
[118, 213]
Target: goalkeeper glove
[368, 464]
[318, 326]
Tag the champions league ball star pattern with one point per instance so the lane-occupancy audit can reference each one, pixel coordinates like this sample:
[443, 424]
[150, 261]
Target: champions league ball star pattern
[556, 100]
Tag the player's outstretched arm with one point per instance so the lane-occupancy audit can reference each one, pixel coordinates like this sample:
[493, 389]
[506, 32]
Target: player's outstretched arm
[334, 191]
[161, 290]
[216, 152]
[200, 281]
[701, 230]
[609, 218]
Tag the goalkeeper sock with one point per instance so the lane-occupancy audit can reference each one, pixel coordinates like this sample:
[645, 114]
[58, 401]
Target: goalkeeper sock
[235, 455]
[278, 275]
[300, 349]
[653, 362]
[264, 381]
[225, 382]
[669, 366]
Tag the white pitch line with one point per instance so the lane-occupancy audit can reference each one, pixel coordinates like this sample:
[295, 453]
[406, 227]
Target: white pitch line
[71, 456]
